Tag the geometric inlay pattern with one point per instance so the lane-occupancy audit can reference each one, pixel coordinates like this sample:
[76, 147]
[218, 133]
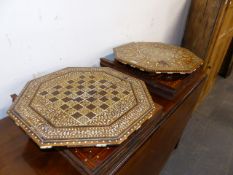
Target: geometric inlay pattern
[158, 57]
[82, 107]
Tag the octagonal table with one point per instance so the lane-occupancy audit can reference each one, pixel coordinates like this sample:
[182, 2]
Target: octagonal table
[82, 107]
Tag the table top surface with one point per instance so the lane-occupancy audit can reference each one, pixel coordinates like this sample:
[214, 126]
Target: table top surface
[158, 57]
[77, 107]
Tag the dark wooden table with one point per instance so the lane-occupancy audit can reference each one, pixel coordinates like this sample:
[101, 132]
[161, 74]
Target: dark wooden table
[19, 155]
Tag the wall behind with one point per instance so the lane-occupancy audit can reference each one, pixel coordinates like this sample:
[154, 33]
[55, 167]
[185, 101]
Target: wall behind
[38, 37]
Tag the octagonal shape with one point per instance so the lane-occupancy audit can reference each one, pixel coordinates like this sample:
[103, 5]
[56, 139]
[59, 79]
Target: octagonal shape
[158, 57]
[82, 107]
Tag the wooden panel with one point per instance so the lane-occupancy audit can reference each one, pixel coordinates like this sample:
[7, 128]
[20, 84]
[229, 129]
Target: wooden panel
[219, 50]
[200, 25]
[227, 65]
[218, 56]
[208, 34]
[227, 26]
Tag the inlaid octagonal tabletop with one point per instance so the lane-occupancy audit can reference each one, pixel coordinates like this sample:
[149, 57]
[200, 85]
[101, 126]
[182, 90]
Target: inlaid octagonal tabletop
[82, 107]
[158, 57]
